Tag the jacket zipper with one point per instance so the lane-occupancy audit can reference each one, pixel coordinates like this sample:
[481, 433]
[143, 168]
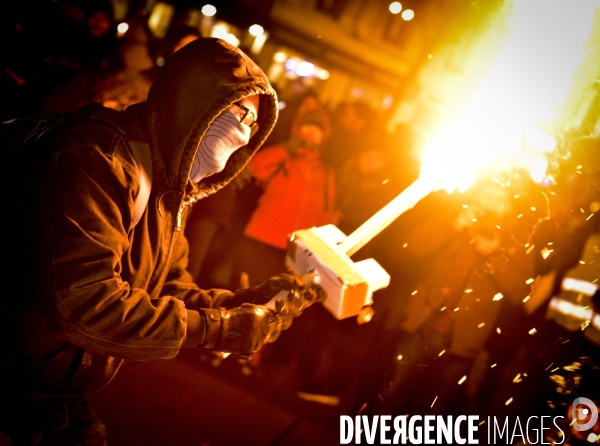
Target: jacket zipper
[182, 208]
[159, 278]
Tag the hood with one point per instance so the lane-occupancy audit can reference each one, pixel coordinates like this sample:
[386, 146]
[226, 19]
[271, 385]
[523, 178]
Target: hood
[197, 84]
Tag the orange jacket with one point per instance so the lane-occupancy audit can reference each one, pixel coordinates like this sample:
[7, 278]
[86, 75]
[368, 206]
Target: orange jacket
[299, 193]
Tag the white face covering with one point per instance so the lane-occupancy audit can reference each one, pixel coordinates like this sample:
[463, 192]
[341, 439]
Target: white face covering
[224, 136]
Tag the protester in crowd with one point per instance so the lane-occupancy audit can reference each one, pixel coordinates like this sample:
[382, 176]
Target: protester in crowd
[560, 309]
[299, 192]
[116, 82]
[177, 37]
[352, 123]
[95, 277]
[60, 39]
[451, 313]
[212, 225]
[294, 106]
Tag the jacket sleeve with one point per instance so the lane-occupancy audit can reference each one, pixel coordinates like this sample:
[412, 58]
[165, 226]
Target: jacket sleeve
[86, 204]
[180, 282]
[266, 162]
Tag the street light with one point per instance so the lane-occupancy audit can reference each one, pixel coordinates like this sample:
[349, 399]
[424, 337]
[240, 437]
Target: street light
[256, 30]
[122, 28]
[208, 10]
[408, 14]
[395, 7]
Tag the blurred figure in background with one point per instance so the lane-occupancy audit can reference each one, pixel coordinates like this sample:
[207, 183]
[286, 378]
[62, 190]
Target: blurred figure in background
[562, 306]
[451, 314]
[124, 80]
[299, 192]
[295, 106]
[351, 125]
[116, 82]
[60, 39]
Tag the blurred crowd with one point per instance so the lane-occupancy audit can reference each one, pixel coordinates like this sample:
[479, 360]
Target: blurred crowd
[493, 292]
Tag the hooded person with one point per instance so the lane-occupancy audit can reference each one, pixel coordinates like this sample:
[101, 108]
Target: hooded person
[299, 192]
[89, 285]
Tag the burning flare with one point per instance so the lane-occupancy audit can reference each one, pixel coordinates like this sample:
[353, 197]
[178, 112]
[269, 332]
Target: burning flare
[523, 98]
[524, 92]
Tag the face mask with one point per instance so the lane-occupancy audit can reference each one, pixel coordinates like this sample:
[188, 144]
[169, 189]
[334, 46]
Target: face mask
[224, 136]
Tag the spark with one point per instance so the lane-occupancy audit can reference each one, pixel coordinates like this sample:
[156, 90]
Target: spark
[526, 299]
[529, 249]
[468, 291]
[442, 352]
[498, 330]
[498, 297]
[362, 408]
[529, 281]
[546, 252]
[481, 325]
[414, 292]
[517, 379]
[435, 399]
[493, 365]
[510, 400]
[532, 331]
[463, 379]
[585, 324]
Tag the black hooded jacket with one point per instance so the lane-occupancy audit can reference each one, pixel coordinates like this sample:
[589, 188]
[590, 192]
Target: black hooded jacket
[93, 279]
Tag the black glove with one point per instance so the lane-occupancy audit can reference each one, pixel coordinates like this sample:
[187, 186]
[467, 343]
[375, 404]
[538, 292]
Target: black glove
[261, 294]
[241, 330]
[296, 302]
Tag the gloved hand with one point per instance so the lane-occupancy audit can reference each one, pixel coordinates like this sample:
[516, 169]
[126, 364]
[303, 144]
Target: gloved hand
[296, 302]
[260, 294]
[241, 330]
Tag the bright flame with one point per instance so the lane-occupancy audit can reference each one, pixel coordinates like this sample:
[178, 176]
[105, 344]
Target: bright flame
[523, 92]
